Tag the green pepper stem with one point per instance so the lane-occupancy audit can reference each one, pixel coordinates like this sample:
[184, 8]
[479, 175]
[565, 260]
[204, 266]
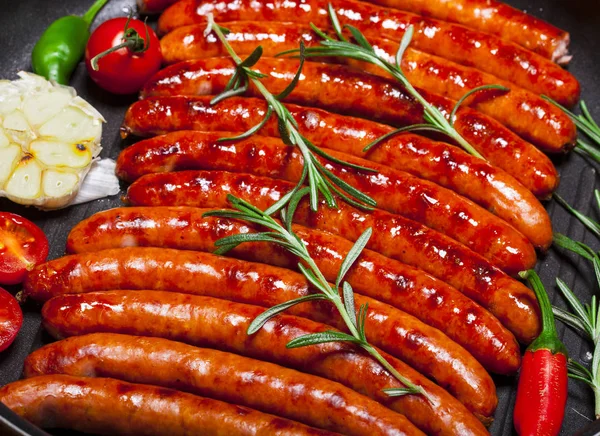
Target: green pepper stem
[93, 10]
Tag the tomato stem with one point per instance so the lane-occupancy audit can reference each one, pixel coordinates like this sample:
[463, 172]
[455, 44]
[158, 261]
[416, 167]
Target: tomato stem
[131, 40]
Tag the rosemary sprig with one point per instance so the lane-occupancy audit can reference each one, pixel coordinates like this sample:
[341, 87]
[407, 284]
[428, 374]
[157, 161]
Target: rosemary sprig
[282, 235]
[586, 125]
[320, 179]
[363, 51]
[592, 225]
[584, 318]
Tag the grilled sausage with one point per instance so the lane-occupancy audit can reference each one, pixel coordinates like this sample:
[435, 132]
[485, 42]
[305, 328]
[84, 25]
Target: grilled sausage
[152, 268]
[395, 191]
[108, 406]
[524, 112]
[184, 228]
[346, 90]
[263, 386]
[214, 323]
[520, 159]
[423, 347]
[393, 236]
[453, 42]
[497, 18]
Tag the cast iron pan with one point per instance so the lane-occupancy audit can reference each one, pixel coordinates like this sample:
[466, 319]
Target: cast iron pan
[21, 23]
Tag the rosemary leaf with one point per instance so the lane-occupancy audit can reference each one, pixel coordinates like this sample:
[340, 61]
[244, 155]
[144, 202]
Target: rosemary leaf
[262, 319]
[353, 254]
[321, 338]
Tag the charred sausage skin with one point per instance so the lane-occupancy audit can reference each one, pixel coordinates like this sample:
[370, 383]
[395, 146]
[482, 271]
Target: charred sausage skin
[213, 323]
[522, 111]
[527, 164]
[453, 42]
[222, 376]
[410, 290]
[407, 241]
[395, 191]
[108, 406]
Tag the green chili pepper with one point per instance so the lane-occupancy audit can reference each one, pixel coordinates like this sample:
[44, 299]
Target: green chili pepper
[61, 46]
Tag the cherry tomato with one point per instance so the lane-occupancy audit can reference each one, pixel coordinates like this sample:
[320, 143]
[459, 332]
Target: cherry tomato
[11, 319]
[126, 69]
[23, 245]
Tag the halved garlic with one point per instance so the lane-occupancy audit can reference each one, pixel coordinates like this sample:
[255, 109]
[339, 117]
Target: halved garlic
[49, 137]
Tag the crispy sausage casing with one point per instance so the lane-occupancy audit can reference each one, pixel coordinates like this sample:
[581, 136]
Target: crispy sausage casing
[509, 300]
[456, 43]
[425, 348]
[107, 406]
[263, 386]
[499, 19]
[522, 111]
[349, 90]
[214, 323]
[153, 268]
[395, 191]
[527, 164]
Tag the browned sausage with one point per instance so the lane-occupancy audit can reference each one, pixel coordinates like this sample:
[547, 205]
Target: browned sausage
[430, 300]
[522, 111]
[214, 323]
[395, 191]
[424, 348]
[423, 157]
[108, 406]
[454, 42]
[263, 386]
[497, 18]
[510, 301]
[347, 90]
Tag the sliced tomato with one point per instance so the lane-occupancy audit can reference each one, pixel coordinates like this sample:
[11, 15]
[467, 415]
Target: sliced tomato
[23, 245]
[11, 319]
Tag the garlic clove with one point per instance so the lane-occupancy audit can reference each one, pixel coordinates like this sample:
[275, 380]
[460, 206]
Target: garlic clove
[9, 157]
[25, 182]
[59, 183]
[72, 125]
[60, 154]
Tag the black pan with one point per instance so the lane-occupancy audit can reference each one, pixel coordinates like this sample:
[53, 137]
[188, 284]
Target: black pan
[21, 23]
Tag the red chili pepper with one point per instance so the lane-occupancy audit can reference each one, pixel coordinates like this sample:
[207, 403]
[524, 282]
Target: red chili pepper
[542, 390]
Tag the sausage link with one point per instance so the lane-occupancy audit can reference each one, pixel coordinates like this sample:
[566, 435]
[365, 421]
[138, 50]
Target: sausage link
[497, 18]
[351, 135]
[509, 300]
[108, 406]
[395, 191]
[433, 354]
[150, 268]
[445, 165]
[454, 42]
[213, 323]
[524, 112]
[263, 386]
[348, 90]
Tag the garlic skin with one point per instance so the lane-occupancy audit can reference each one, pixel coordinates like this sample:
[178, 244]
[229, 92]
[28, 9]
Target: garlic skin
[49, 138]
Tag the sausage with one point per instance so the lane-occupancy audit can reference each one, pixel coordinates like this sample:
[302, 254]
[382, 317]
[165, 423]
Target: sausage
[518, 158]
[214, 323]
[454, 42]
[347, 90]
[395, 191]
[108, 406]
[151, 7]
[522, 111]
[445, 165]
[497, 18]
[425, 348]
[129, 268]
[185, 228]
[227, 377]
[509, 300]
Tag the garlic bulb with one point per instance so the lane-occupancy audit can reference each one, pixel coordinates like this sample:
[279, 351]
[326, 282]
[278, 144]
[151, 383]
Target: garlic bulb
[49, 137]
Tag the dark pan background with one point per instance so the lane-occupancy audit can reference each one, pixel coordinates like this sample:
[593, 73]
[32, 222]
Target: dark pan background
[21, 23]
